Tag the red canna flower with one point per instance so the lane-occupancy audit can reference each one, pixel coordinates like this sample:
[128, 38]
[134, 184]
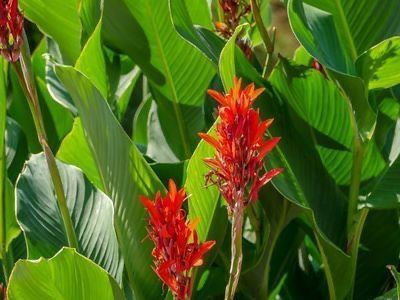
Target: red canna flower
[237, 167]
[177, 249]
[11, 26]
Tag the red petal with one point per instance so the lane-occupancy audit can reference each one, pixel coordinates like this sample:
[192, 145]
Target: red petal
[209, 139]
[268, 146]
[218, 97]
[171, 188]
[271, 174]
[257, 93]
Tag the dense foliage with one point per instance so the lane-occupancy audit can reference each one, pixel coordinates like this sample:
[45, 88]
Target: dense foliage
[134, 162]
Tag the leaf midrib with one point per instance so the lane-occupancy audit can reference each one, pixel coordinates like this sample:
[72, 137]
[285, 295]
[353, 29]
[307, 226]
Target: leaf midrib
[346, 28]
[177, 110]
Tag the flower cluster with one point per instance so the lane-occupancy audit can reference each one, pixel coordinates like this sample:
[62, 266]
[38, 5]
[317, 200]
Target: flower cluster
[237, 167]
[11, 26]
[177, 249]
[233, 11]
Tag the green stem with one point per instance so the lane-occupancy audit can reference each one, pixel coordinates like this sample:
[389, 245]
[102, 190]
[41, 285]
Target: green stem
[3, 176]
[261, 28]
[236, 250]
[25, 76]
[354, 245]
[3, 236]
[358, 156]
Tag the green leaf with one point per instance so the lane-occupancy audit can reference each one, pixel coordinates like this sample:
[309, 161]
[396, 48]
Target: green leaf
[390, 295]
[199, 12]
[140, 121]
[319, 102]
[124, 90]
[92, 64]
[157, 146]
[162, 49]
[68, 275]
[205, 202]
[75, 150]
[9, 220]
[379, 65]
[58, 19]
[125, 175]
[337, 32]
[396, 276]
[90, 209]
[386, 193]
[228, 55]
[380, 242]
[184, 18]
[54, 86]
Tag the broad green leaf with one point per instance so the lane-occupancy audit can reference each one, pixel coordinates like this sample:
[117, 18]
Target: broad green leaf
[390, 295]
[9, 220]
[386, 193]
[124, 90]
[58, 19]
[205, 201]
[16, 149]
[140, 121]
[379, 65]
[316, 100]
[380, 247]
[91, 213]
[58, 120]
[302, 57]
[54, 86]
[396, 276]
[337, 32]
[278, 214]
[199, 12]
[92, 64]
[170, 63]
[228, 56]
[357, 92]
[75, 150]
[158, 148]
[184, 21]
[125, 175]
[319, 102]
[67, 275]
[14, 142]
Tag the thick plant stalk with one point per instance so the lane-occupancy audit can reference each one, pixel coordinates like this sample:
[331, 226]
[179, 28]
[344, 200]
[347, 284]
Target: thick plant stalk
[268, 42]
[3, 176]
[25, 76]
[236, 250]
[355, 185]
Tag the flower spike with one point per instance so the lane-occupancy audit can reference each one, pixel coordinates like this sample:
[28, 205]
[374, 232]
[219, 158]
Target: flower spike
[237, 168]
[11, 29]
[177, 249]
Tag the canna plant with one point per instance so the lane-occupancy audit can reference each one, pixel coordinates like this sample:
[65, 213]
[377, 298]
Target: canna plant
[238, 164]
[109, 113]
